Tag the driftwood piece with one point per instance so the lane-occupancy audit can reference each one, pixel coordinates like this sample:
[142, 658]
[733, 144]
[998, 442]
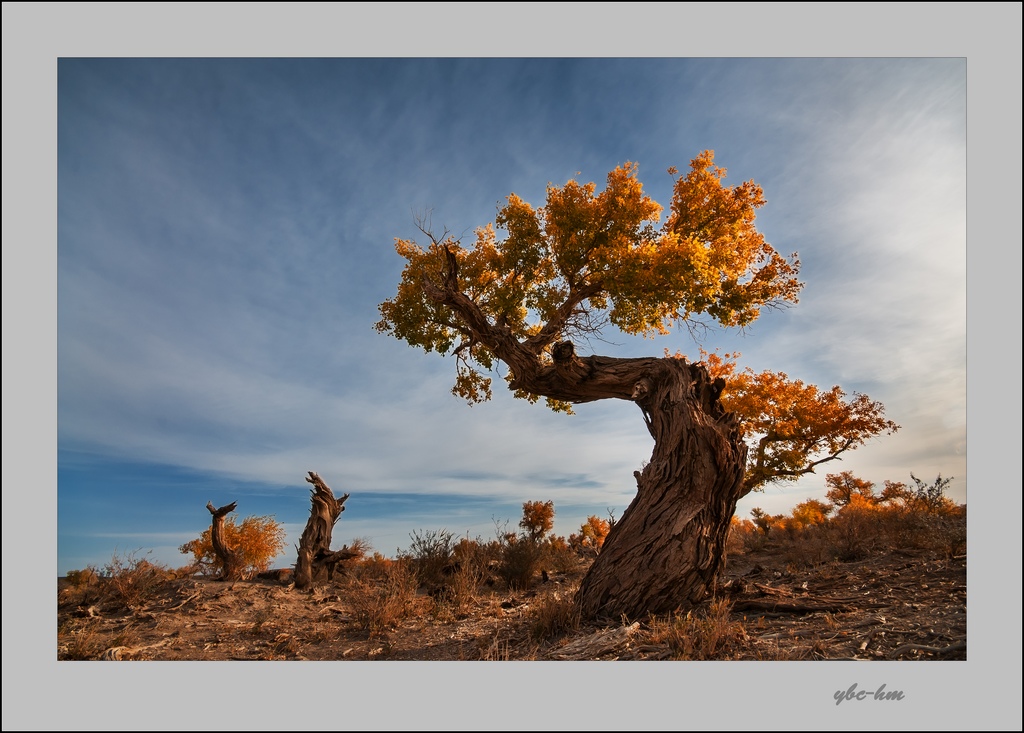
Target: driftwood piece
[609, 641]
[229, 560]
[314, 547]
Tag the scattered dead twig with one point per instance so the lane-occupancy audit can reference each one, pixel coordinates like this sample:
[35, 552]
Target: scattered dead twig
[651, 653]
[867, 639]
[795, 634]
[770, 614]
[187, 600]
[781, 607]
[941, 651]
[868, 622]
[118, 653]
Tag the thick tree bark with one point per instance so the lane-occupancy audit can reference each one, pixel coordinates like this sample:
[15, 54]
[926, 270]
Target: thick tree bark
[667, 549]
[229, 560]
[314, 548]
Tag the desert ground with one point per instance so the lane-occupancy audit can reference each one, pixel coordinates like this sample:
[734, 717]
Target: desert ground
[770, 604]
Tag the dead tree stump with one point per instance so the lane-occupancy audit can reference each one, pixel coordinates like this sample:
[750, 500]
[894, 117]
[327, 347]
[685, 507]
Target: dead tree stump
[314, 547]
[229, 560]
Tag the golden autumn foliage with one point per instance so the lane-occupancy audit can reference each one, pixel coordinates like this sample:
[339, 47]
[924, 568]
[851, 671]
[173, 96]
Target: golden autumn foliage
[257, 540]
[845, 489]
[792, 427]
[810, 513]
[538, 518]
[592, 534]
[589, 258]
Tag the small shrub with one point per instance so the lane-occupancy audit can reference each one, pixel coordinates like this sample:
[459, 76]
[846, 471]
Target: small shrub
[430, 553]
[520, 561]
[81, 578]
[856, 529]
[83, 643]
[133, 580]
[560, 555]
[592, 535]
[373, 567]
[744, 536]
[496, 649]
[931, 498]
[382, 604]
[83, 587]
[951, 534]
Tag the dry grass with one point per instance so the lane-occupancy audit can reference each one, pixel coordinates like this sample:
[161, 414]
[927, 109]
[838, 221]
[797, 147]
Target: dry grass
[497, 648]
[381, 604]
[555, 615]
[132, 580]
[81, 642]
[707, 633]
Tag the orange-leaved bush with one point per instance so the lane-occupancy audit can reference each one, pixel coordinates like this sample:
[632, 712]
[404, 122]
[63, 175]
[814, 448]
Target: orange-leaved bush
[256, 541]
[591, 535]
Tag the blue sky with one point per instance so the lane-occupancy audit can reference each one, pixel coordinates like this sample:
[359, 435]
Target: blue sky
[225, 234]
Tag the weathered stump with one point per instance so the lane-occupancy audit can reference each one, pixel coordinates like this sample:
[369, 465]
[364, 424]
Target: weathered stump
[230, 562]
[314, 547]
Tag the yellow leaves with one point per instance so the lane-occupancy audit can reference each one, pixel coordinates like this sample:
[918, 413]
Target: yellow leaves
[538, 518]
[731, 271]
[810, 513]
[709, 258]
[472, 386]
[791, 427]
[592, 534]
[591, 235]
[588, 257]
[559, 406]
[846, 489]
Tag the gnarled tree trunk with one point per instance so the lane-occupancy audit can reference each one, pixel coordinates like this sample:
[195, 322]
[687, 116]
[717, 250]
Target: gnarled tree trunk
[229, 560]
[669, 546]
[666, 550]
[315, 544]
